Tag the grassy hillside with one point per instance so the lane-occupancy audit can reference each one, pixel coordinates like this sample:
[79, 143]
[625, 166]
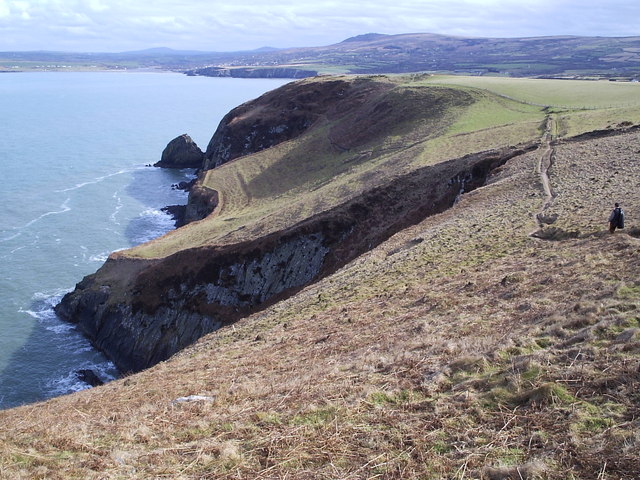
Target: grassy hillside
[416, 121]
[497, 340]
[406, 125]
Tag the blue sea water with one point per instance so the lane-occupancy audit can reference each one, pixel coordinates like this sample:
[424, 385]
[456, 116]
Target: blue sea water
[75, 186]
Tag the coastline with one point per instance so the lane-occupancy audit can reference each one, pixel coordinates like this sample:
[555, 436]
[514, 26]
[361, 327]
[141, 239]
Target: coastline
[89, 196]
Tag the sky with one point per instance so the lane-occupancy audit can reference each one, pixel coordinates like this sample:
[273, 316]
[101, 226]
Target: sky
[233, 25]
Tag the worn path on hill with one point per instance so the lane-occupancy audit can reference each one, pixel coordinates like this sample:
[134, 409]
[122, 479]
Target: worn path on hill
[545, 162]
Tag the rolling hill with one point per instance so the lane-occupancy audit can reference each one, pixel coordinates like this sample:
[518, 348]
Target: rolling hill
[471, 315]
[559, 56]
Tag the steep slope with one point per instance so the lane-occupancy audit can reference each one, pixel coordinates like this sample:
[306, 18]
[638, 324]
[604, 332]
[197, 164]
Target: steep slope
[334, 174]
[350, 162]
[462, 347]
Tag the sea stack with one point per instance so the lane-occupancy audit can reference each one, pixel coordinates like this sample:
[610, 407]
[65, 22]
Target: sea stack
[181, 152]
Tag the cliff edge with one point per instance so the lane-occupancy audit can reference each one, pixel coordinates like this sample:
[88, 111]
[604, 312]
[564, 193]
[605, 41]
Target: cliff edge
[499, 338]
[294, 185]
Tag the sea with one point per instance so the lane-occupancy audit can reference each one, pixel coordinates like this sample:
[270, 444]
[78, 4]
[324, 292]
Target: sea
[75, 185]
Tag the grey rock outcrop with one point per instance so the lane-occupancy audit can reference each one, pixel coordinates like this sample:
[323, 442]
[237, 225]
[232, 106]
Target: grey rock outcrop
[89, 377]
[217, 288]
[181, 152]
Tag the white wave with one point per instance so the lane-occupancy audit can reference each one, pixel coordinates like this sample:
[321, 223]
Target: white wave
[11, 237]
[60, 328]
[106, 370]
[96, 180]
[22, 247]
[17, 249]
[64, 208]
[43, 303]
[69, 382]
[74, 344]
[99, 257]
[31, 313]
[93, 257]
[153, 223]
[119, 206]
[64, 384]
[49, 320]
[152, 212]
[51, 297]
[83, 349]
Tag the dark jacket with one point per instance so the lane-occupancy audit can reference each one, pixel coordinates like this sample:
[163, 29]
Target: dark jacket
[617, 217]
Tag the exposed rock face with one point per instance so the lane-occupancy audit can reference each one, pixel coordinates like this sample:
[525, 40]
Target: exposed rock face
[201, 290]
[140, 312]
[181, 152]
[177, 212]
[202, 202]
[289, 264]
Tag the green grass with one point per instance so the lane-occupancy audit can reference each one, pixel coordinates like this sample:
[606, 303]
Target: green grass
[493, 112]
[318, 417]
[589, 425]
[403, 397]
[577, 122]
[629, 291]
[569, 94]
[584, 105]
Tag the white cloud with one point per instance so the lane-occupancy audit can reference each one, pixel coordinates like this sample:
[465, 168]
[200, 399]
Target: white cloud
[116, 25]
[97, 6]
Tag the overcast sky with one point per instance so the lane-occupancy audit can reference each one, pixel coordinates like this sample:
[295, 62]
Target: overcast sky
[120, 25]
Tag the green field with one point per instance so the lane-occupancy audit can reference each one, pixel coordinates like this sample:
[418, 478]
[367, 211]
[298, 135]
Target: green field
[564, 94]
[583, 105]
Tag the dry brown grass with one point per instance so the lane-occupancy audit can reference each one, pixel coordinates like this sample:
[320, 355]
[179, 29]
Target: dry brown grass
[461, 348]
[590, 176]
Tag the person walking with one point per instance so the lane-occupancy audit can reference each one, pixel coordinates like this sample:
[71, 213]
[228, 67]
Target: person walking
[616, 219]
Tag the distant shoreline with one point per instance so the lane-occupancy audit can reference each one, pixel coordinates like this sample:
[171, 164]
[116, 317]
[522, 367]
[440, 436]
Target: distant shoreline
[89, 70]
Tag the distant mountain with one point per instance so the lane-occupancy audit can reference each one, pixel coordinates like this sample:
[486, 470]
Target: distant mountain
[557, 56]
[367, 37]
[170, 51]
[266, 49]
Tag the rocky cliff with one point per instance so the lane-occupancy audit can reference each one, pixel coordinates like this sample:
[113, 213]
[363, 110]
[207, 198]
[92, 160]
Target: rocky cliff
[280, 115]
[140, 312]
[140, 309]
